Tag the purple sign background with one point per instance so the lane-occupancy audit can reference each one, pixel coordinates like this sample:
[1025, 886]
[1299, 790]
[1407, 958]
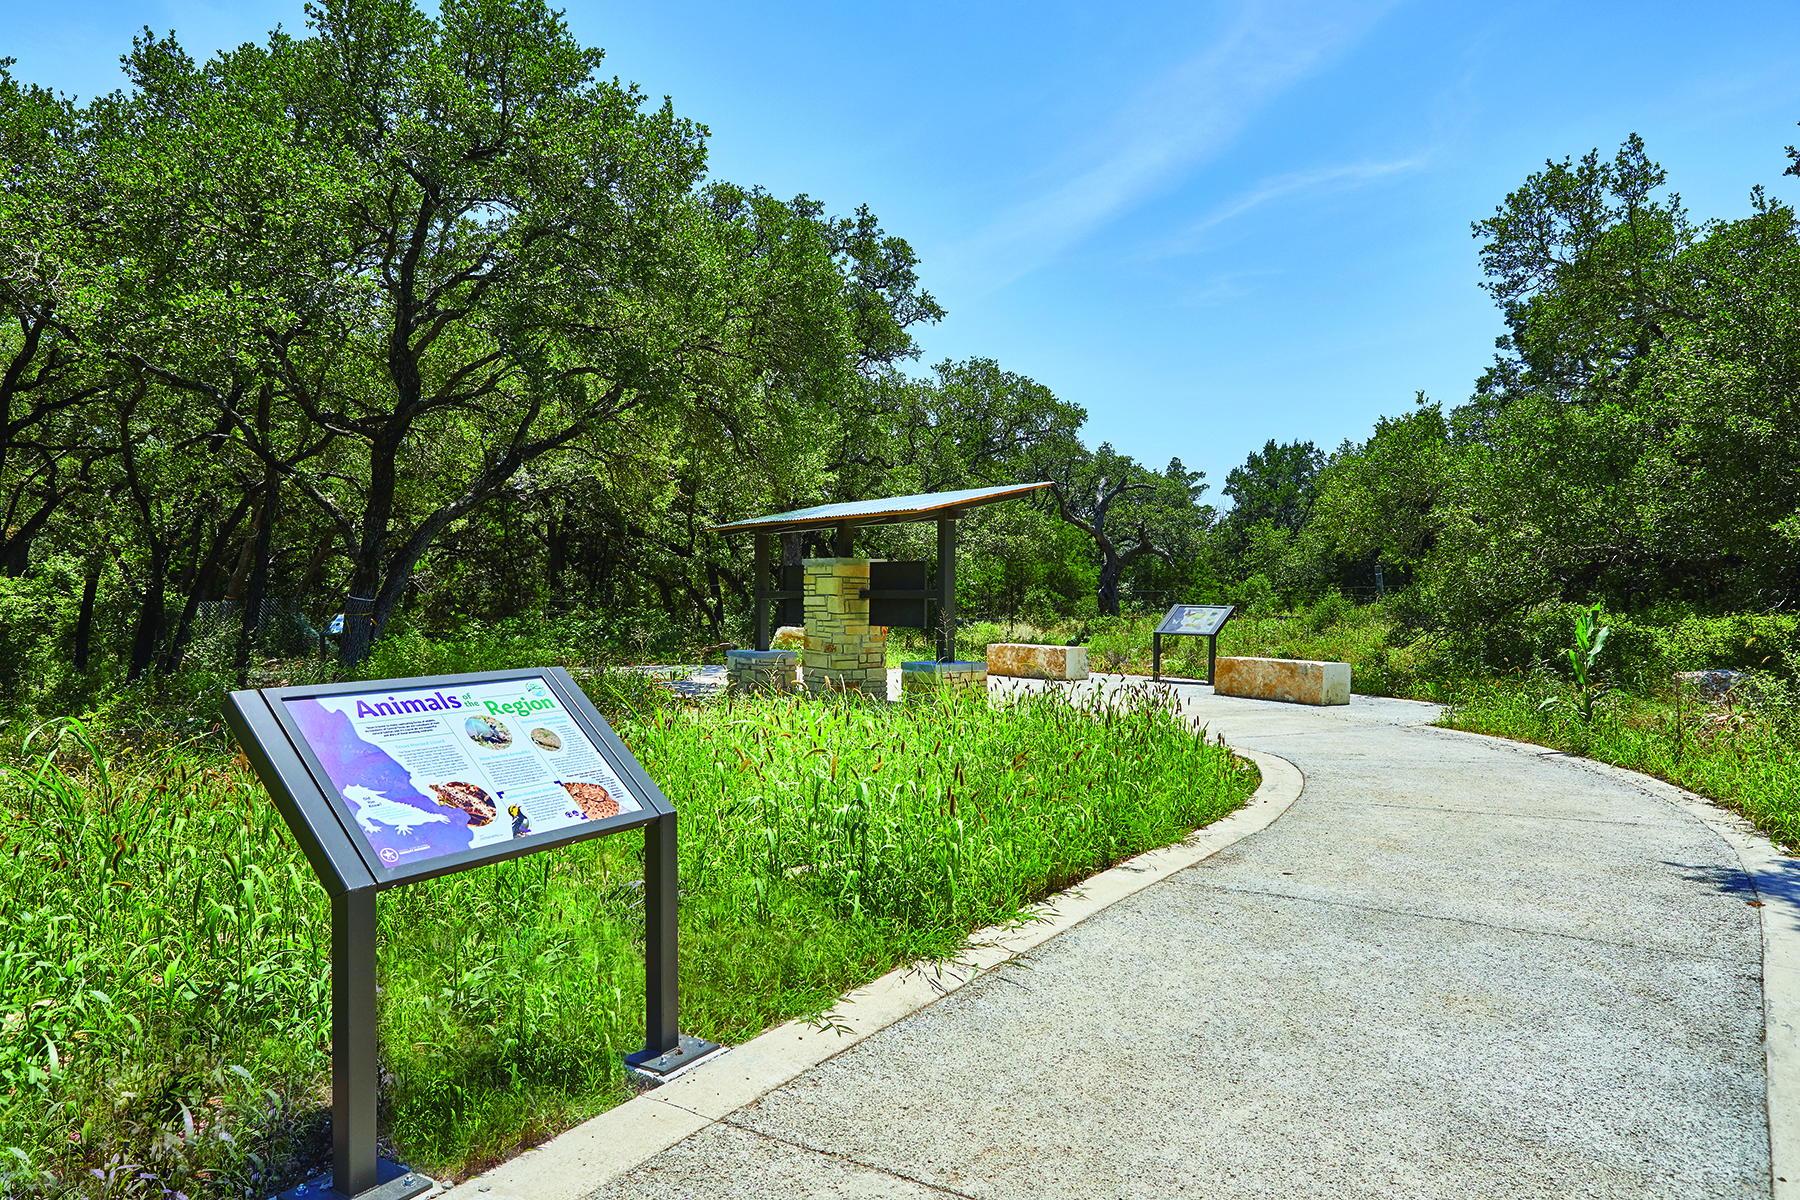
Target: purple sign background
[352, 762]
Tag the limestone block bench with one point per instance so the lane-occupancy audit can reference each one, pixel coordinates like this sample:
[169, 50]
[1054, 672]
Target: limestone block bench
[1293, 680]
[1037, 662]
[919, 679]
[761, 670]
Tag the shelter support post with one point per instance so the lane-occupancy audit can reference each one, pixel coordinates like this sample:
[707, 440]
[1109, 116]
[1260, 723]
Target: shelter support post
[845, 540]
[946, 557]
[760, 590]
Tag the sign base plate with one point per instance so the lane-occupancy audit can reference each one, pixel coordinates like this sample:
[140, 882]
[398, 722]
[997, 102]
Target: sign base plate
[690, 1051]
[397, 1183]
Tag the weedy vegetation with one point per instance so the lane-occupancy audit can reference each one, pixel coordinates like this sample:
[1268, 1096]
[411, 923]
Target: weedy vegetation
[164, 979]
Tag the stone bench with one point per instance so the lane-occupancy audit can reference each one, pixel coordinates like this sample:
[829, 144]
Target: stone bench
[919, 679]
[1037, 662]
[762, 670]
[1295, 680]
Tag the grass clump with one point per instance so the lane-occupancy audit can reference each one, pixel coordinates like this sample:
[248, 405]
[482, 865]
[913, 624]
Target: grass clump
[164, 978]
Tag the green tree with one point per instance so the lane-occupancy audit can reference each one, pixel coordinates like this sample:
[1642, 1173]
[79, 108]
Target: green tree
[48, 452]
[1274, 484]
[1379, 502]
[1130, 511]
[1583, 261]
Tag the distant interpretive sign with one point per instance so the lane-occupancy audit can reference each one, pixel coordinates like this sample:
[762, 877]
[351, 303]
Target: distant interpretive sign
[425, 773]
[1191, 620]
[1203, 620]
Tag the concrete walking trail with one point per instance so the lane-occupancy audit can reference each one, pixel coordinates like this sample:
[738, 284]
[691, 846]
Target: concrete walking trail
[1449, 966]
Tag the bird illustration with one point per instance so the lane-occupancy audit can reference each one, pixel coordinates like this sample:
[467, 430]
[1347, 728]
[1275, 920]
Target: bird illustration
[374, 808]
[521, 824]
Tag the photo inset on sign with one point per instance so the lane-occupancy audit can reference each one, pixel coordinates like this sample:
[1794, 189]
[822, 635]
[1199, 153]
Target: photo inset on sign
[431, 772]
[488, 733]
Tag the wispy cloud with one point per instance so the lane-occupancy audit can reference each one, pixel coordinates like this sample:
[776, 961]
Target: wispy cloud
[1324, 179]
[1188, 115]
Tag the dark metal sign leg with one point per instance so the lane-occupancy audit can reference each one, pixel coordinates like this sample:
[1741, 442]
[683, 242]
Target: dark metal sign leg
[665, 1049]
[662, 985]
[353, 1070]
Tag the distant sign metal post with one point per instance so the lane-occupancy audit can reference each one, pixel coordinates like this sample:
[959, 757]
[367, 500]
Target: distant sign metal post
[395, 781]
[1191, 620]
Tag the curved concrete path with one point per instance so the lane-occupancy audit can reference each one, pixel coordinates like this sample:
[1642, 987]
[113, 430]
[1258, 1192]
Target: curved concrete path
[1455, 966]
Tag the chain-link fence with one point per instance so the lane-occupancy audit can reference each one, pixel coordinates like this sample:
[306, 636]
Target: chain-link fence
[281, 628]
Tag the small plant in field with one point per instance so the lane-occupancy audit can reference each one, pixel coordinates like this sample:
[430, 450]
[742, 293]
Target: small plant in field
[1590, 640]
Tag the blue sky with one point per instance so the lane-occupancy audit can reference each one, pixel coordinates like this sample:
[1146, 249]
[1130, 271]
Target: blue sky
[1209, 223]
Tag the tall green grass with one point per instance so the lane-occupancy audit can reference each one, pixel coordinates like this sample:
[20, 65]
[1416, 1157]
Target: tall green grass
[164, 981]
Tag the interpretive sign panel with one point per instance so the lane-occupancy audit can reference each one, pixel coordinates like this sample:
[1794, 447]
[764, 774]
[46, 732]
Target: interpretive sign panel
[394, 781]
[1202, 620]
[1190, 620]
[425, 773]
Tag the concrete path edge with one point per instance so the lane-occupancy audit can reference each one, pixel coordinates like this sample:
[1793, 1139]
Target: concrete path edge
[576, 1163]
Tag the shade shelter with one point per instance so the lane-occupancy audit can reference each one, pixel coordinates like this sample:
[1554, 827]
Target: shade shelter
[896, 592]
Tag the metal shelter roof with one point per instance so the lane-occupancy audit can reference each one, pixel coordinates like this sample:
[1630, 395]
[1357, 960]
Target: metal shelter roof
[893, 510]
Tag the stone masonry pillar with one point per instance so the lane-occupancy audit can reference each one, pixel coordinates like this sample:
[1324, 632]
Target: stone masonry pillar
[843, 651]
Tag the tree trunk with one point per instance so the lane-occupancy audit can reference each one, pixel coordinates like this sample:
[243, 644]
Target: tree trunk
[1108, 593]
[148, 636]
[234, 588]
[84, 620]
[196, 586]
[556, 556]
[259, 575]
[313, 566]
[368, 604]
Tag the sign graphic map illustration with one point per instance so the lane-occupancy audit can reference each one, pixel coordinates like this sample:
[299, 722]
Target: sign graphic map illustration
[430, 772]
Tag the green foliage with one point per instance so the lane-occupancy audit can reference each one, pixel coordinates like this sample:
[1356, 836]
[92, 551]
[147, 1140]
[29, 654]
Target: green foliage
[1379, 502]
[34, 612]
[1582, 657]
[164, 991]
[1275, 484]
[1256, 596]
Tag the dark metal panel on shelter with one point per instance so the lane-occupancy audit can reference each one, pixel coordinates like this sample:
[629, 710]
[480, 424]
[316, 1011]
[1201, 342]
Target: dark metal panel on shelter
[897, 595]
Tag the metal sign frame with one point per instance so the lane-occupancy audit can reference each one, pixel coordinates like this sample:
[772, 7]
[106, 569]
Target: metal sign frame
[347, 865]
[1170, 625]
